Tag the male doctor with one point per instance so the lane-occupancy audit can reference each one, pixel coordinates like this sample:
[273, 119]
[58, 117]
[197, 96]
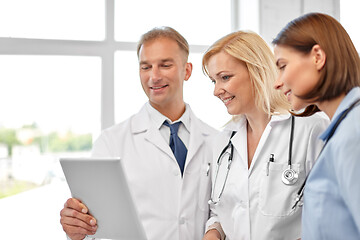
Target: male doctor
[170, 195]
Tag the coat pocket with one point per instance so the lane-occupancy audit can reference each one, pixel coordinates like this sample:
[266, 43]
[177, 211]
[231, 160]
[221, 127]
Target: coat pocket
[277, 198]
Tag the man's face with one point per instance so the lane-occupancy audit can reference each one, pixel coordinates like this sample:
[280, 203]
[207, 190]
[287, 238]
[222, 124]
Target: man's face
[163, 69]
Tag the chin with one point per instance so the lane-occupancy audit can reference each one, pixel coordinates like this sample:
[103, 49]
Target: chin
[299, 107]
[232, 113]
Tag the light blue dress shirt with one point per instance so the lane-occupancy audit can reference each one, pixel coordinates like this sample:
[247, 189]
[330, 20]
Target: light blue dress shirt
[332, 192]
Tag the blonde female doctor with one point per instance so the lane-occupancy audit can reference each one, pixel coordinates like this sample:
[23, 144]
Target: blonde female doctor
[264, 154]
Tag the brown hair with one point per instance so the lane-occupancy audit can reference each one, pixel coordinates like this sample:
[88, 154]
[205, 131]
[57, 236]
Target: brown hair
[341, 71]
[251, 49]
[164, 32]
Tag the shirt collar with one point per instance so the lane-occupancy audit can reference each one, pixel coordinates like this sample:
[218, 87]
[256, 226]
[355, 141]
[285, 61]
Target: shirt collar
[349, 99]
[158, 119]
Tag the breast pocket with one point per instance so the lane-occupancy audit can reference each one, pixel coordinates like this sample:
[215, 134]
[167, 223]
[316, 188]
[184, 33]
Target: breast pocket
[204, 187]
[277, 198]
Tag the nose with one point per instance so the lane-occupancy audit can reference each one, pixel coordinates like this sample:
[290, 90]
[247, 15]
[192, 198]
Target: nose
[218, 90]
[155, 74]
[278, 84]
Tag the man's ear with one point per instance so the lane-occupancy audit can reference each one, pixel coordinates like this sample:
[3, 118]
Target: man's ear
[319, 56]
[188, 69]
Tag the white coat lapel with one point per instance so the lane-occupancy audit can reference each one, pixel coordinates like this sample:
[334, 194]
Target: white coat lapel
[260, 146]
[240, 144]
[153, 136]
[198, 133]
[196, 140]
[141, 123]
[238, 140]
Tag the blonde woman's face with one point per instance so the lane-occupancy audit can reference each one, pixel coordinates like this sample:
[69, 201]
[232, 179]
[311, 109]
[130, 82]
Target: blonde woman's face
[298, 74]
[232, 83]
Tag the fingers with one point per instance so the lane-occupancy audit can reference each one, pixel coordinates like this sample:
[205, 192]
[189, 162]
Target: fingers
[75, 218]
[76, 204]
[212, 234]
[76, 221]
[77, 231]
[73, 208]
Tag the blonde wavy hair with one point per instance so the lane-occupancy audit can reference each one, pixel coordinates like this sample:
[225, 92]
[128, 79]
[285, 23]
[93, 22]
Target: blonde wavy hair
[250, 48]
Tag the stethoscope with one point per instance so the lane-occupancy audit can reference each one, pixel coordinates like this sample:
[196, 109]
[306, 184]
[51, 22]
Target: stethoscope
[289, 175]
[218, 163]
[300, 193]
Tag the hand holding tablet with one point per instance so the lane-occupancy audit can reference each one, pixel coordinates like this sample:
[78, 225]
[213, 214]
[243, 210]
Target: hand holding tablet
[100, 184]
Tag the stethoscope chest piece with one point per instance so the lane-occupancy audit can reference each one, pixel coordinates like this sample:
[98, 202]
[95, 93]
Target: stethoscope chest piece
[289, 176]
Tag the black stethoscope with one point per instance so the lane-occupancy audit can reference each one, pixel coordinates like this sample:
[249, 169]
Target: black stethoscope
[218, 163]
[289, 175]
[300, 193]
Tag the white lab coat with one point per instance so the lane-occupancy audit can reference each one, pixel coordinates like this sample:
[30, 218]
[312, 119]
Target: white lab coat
[255, 205]
[169, 206]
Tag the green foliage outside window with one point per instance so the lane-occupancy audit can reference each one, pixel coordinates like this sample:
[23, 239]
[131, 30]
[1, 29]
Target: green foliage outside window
[8, 137]
[53, 142]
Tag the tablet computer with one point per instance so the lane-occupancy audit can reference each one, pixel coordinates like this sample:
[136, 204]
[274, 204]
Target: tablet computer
[100, 183]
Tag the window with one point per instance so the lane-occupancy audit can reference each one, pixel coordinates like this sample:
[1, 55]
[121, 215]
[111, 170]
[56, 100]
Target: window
[62, 81]
[49, 108]
[200, 22]
[55, 19]
[349, 16]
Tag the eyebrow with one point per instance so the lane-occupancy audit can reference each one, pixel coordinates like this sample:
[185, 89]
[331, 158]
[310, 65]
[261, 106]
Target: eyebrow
[219, 73]
[162, 61]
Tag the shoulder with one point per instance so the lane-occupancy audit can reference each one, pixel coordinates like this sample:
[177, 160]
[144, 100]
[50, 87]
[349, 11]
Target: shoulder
[116, 130]
[318, 122]
[353, 118]
[138, 122]
[201, 126]
[205, 128]
[350, 126]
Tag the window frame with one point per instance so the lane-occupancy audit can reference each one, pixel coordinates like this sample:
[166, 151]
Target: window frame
[105, 49]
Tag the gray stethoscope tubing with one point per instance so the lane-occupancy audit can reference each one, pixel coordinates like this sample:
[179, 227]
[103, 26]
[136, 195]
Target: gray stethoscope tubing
[218, 163]
[289, 176]
[300, 193]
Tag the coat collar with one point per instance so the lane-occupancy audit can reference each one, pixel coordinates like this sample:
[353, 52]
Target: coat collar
[240, 121]
[239, 140]
[142, 123]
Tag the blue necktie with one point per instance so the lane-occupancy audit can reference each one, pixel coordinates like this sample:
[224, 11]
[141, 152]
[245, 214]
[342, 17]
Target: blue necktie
[176, 145]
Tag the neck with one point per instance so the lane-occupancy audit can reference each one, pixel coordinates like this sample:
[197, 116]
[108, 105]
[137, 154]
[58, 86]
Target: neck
[329, 107]
[173, 112]
[256, 123]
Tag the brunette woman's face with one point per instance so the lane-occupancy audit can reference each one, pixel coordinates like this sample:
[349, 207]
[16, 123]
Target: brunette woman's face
[298, 74]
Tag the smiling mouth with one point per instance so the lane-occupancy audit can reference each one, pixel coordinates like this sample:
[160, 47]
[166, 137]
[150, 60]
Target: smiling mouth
[159, 87]
[226, 100]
